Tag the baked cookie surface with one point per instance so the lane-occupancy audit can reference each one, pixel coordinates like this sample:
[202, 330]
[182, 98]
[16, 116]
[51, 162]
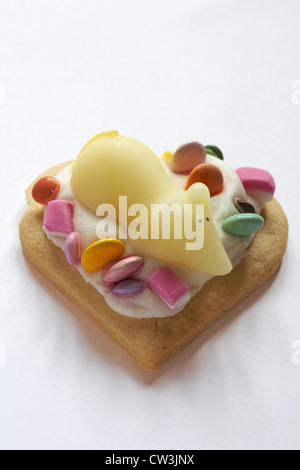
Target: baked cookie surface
[152, 342]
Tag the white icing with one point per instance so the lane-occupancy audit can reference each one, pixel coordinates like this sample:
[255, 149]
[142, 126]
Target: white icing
[147, 304]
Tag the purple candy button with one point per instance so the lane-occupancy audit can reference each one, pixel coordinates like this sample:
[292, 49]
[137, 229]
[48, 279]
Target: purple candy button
[123, 269]
[128, 288]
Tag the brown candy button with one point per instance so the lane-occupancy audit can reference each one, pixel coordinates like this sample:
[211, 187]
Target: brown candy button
[208, 174]
[45, 190]
[187, 157]
[243, 206]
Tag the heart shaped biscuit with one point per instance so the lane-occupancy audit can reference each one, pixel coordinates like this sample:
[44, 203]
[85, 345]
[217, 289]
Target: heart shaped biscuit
[151, 342]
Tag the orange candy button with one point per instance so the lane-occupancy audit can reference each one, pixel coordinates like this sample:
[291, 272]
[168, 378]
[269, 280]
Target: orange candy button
[208, 174]
[45, 190]
[100, 254]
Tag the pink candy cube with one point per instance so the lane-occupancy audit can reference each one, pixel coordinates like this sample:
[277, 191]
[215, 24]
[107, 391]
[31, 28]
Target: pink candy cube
[172, 290]
[258, 183]
[58, 218]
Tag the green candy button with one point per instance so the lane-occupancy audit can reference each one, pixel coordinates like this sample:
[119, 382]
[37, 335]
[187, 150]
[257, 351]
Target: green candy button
[214, 151]
[242, 225]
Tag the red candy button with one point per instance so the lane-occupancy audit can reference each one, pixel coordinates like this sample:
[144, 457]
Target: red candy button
[45, 190]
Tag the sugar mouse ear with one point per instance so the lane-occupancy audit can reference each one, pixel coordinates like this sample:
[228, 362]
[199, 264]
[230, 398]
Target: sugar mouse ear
[112, 133]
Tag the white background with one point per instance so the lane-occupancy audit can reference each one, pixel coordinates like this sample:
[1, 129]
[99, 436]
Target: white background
[165, 72]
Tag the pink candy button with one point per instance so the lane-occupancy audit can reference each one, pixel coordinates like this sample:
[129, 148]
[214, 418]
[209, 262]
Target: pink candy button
[123, 269]
[59, 217]
[258, 182]
[73, 250]
[172, 290]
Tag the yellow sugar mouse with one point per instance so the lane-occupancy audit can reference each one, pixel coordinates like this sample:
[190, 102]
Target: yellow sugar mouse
[112, 165]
